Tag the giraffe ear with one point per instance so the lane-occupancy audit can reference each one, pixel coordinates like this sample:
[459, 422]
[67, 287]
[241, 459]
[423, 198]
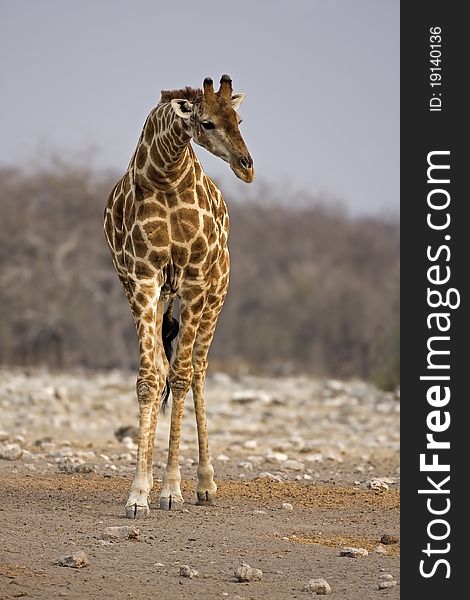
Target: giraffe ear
[183, 108]
[237, 99]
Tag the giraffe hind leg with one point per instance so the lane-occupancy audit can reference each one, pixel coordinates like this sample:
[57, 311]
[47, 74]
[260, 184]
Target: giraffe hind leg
[181, 373]
[206, 487]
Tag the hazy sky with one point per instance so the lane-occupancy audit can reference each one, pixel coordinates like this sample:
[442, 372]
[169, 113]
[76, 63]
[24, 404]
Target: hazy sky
[321, 78]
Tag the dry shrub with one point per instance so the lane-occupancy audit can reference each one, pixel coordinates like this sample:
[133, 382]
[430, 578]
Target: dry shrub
[312, 289]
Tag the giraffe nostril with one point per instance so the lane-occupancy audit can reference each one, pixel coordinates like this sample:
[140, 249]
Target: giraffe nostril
[245, 162]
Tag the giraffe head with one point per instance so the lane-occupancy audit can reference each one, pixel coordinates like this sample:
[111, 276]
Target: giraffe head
[212, 121]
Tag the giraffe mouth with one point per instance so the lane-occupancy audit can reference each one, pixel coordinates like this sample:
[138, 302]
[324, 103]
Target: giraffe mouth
[243, 169]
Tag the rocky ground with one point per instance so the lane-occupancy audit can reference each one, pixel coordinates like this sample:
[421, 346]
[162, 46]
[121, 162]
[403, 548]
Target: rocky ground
[305, 468]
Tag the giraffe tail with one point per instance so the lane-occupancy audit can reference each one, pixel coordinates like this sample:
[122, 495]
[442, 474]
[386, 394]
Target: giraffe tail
[170, 328]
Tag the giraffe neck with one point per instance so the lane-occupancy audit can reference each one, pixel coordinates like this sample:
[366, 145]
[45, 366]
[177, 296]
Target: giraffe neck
[163, 155]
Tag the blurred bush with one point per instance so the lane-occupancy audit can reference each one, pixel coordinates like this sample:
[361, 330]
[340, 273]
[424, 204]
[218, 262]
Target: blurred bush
[312, 289]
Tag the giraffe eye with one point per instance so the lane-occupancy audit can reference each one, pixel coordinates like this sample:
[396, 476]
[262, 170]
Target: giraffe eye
[208, 125]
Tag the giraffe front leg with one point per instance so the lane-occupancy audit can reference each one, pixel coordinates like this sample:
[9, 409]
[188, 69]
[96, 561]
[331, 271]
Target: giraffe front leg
[149, 385]
[137, 505]
[151, 444]
[162, 367]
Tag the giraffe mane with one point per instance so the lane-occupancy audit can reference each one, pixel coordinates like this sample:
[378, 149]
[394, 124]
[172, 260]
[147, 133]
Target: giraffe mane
[188, 93]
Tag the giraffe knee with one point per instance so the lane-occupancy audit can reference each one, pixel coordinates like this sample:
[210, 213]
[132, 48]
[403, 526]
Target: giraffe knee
[180, 386]
[180, 381]
[147, 390]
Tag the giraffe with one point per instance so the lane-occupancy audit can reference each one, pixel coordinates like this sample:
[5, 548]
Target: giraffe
[166, 224]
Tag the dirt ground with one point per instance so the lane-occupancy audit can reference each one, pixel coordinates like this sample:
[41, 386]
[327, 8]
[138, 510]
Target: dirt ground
[46, 513]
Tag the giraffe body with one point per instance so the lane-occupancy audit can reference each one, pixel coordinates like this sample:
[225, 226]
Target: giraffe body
[166, 224]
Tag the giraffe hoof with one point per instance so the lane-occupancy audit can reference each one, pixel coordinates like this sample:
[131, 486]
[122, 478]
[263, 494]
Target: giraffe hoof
[134, 511]
[171, 503]
[205, 498]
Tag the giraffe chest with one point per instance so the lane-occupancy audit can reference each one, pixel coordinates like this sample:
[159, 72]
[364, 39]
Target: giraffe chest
[165, 229]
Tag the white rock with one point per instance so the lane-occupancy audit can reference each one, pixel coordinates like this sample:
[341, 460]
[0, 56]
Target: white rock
[299, 442]
[61, 452]
[127, 457]
[27, 455]
[77, 560]
[293, 465]
[376, 484]
[11, 452]
[222, 458]
[86, 455]
[353, 552]
[380, 550]
[119, 534]
[256, 460]
[246, 464]
[250, 444]
[333, 455]
[287, 506]
[72, 466]
[129, 443]
[276, 457]
[386, 480]
[249, 396]
[186, 571]
[383, 585]
[267, 475]
[317, 457]
[247, 573]
[319, 585]
[3, 435]
[47, 446]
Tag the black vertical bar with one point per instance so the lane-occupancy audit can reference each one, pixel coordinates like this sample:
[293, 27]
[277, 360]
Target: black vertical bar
[433, 118]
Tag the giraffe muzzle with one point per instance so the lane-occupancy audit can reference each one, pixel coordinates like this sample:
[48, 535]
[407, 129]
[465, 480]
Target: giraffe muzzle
[244, 168]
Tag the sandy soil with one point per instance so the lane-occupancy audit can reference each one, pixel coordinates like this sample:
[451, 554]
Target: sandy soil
[320, 465]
